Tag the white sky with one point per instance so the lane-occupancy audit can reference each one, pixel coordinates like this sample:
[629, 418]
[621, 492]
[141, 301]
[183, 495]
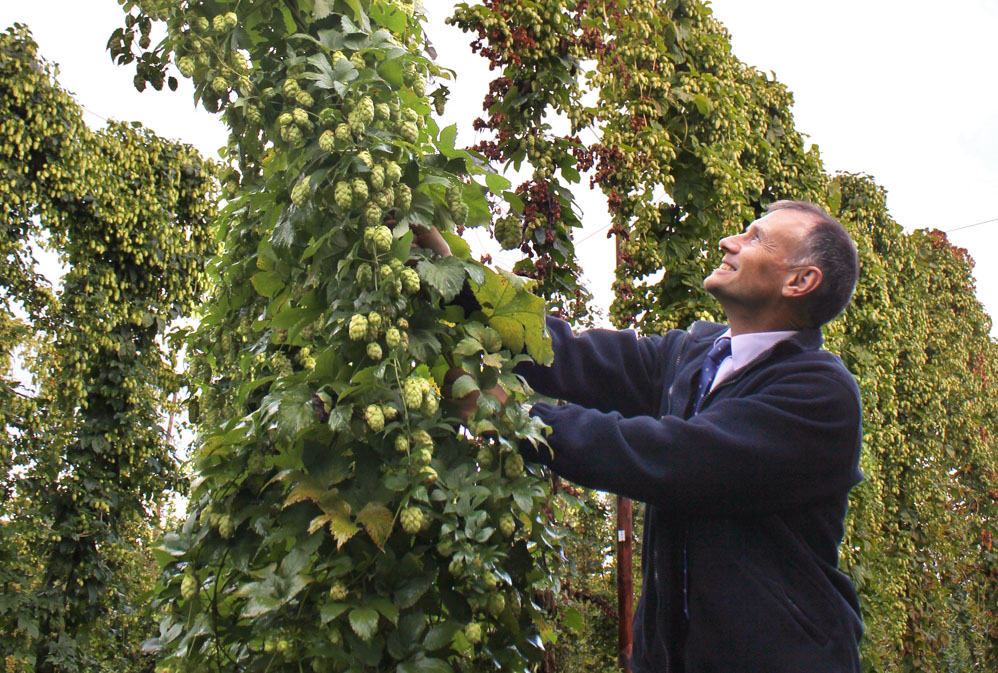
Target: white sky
[903, 91]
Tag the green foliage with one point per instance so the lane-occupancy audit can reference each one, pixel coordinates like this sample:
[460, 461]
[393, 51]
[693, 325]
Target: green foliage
[340, 518]
[83, 456]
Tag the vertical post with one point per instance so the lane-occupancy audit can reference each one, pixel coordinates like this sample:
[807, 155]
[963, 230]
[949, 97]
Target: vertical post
[625, 566]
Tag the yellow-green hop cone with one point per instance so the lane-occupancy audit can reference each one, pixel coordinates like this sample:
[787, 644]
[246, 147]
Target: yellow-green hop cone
[473, 632]
[402, 444]
[285, 118]
[230, 20]
[377, 176]
[343, 194]
[393, 172]
[253, 115]
[375, 320]
[357, 59]
[343, 133]
[239, 62]
[484, 457]
[375, 418]
[291, 134]
[374, 351]
[291, 88]
[496, 604]
[304, 98]
[188, 587]
[358, 327]
[393, 337]
[327, 141]
[218, 23]
[429, 406]
[373, 216]
[226, 528]
[408, 131]
[377, 238]
[385, 198]
[382, 112]
[365, 158]
[411, 519]
[300, 116]
[508, 232]
[186, 66]
[360, 192]
[219, 85]
[513, 469]
[335, 57]
[389, 411]
[202, 25]
[364, 276]
[337, 592]
[403, 198]
[299, 193]
[410, 280]
[412, 393]
[507, 524]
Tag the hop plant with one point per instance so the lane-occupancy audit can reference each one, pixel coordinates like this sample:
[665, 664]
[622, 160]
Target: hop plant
[373, 216]
[473, 632]
[393, 173]
[186, 66]
[430, 405]
[364, 277]
[507, 524]
[484, 457]
[239, 62]
[403, 198]
[343, 195]
[377, 176]
[374, 351]
[219, 85]
[231, 20]
[513, 469]
[382, 112]
[410, 280]
[291, 88]
[285, 118]
[358, 327]
[411, 519]
[366, 109]
[291, 134]
[375, 320]
[419, 86]
[327, 141]
[378, 238]
[300, 116]
[253, 115]
[385, 198]
[337, 591]
[496, 604]
[188, 587]
[365, 158]
[343, 132]
[359, 190]
[218, 23]
[202, 25]
[387, 273]
[335, 57]
[389, 411]
[412, 392]
[327, 116]
[226, 527]
[375, 417]
[357, 125]
[408, 131]
[357, 59]
[508, 232]
[402, 444]
[299, 193]
[392, 336]
[304, 98]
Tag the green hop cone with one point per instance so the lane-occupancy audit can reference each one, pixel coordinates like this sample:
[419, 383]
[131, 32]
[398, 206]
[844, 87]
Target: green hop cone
[343, 133]
[386, 273]
[392, 336]
[343, 194]
[419, 86]
[390, 412]
[226, 528]
[410, 280]
[460, 213]
[291, 88]
[452, 195]
[253, 115]
[412, 393]
[304, 98]
[365, 158]
[327, 141]
[366, 109]
[375, 418]
[293, 134]
[473, 632]
[373, 216]
[218, 23]
[300, 116]
[410, 115]
[285, 119]
[337, 592]
[202, 25]
[374, 351]
[382, 112]
[299, 193]
[188, 587]
[239, 62]
[507, 524]
[219, 85]
[385, 198]
[393, 172]
[411, 519]
[186, 66]
[496, 604]
[359, 191]
[358, 327]
[357, 125]
[364, 277]
[230, 20]
[382, 235]
[513, 469]
[358, 60]
[429, 406]
[403, 198]
[484, 457]
[375, 320]
[377, 176]
[508, 232]
[335, 57]
[327, 116]
[408, 131]
[402, 444]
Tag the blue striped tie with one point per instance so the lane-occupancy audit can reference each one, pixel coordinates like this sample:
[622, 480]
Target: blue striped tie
[721, 350]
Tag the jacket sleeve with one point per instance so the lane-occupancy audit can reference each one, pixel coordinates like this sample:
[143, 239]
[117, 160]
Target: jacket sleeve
[608, 370]
[792, 441]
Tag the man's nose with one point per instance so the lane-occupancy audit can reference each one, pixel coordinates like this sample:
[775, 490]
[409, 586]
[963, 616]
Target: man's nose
[729, 244]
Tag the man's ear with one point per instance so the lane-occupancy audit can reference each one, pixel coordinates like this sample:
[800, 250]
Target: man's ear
[805, 280]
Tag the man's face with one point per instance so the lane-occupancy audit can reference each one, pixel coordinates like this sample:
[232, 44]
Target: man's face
[756, 263]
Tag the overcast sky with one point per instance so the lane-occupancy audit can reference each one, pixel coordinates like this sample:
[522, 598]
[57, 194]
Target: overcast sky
[902, 91]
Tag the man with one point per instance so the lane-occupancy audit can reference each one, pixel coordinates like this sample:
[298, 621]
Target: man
[745, 464]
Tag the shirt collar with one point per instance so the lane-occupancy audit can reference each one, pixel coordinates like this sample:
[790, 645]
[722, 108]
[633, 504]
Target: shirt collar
[747, 347]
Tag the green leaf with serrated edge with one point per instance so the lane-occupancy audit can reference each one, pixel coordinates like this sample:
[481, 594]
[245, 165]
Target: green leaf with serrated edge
[468, 346]
[446, 276]
[497, 183]
[448, 137]
[364, 622]
[385, 607]
[463, 385]
[377, 520]
[267, 283]
[440, 636]
[516, 314]
[402, 246]
[458, 246]
[412, 590]
[330, 611]
[389, 16]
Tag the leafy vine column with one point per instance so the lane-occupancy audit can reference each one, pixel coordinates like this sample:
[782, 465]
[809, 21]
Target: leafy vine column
[341, 519]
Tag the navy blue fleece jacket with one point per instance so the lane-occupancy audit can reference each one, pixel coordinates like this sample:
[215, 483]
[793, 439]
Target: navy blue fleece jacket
[745, 500]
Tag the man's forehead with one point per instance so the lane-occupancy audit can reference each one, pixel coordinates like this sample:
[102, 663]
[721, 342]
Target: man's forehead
[784, 222]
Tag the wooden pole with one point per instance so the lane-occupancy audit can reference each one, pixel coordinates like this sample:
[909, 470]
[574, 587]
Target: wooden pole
[625, 566]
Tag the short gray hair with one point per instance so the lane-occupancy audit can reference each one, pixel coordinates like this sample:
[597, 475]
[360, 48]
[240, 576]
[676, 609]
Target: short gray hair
[829, 247]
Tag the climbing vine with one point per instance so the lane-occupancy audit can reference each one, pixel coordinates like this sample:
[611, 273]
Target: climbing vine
[84, 457]
[340, 518]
